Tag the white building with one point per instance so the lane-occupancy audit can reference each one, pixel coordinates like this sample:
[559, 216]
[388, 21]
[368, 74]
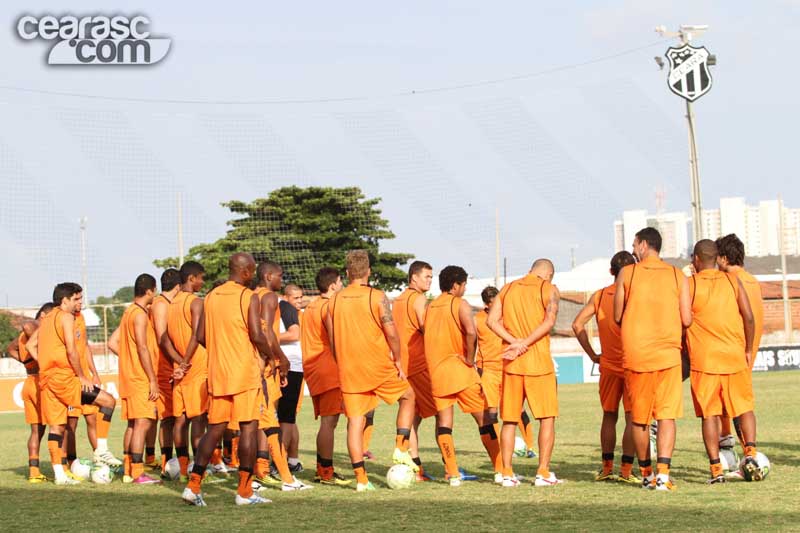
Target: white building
[674, 228]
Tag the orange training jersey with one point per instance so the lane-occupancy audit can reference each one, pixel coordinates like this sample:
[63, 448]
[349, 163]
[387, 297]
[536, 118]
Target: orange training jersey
[31, 365]
[651, 323]
[362, 353]
[52, 346]
[608, 331]
[163, 364]
[445, 347]
[276, 322]
[716, 337]
[490, 346]
[319, 368]
[524, 309]
[233, 361]
[81, 344]
[179, 329]
[412, 344]
[753, 290]
[132, 377]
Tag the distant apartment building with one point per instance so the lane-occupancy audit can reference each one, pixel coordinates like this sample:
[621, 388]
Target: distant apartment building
[757, 226]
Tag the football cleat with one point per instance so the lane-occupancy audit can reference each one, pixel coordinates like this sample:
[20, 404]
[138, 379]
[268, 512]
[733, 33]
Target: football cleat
[365, 487]
[68, 480]
[454, 481]
[549, 481]
[751, 470]
[255, 499]
[37, 479]
[144, 479]
[296, 468]
[664, 483]
[105, 457]
[267, 480]
[632, 479]
[714, 480]
[295, 485]
[192, 499]
[605, 476]
[465, 476]
[509, 482]
[498, 478]
[335, 479]
[404, 458]
[649, 482]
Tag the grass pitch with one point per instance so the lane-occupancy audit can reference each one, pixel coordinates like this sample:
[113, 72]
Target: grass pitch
[580, 504]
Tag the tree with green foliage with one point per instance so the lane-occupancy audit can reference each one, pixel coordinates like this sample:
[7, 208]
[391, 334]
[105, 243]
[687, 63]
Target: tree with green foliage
[114, 313]
[303, 229]
[7, 332]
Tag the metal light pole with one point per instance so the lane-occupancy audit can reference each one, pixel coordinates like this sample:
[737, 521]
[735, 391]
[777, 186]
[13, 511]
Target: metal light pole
[787, 310]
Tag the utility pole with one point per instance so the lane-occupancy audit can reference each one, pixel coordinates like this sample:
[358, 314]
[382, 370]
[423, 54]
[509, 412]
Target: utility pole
[787, 309]
[84, 221]
[179, 211]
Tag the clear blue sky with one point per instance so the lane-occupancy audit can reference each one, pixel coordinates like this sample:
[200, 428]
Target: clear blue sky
[560, 151]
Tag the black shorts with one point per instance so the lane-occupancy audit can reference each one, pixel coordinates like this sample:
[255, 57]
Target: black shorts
[88, 398]
[287, 405]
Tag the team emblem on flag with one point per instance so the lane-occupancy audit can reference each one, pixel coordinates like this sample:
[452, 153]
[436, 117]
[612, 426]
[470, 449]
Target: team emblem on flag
[689, 76]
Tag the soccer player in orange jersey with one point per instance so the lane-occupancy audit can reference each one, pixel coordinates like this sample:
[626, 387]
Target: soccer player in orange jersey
[63, 383]
[523, 314]
[652, 304]
[168, 357]
[489, 362]
[367, 350]
[230, 329]
[270, 279]
[720, 344]
[408, 311]
[612, 376]
[322, 374]
[190, 386]
[138, 380]
[31, 392]
[450, 341]
[731, 260]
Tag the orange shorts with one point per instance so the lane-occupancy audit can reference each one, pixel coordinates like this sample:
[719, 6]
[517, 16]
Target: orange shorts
[190, 398]
[492, 385]
[657, 394]
[612, 390]
[268, 412]
[714, 394]
[540, 391]
[423, 394]
[236, 408]
[88, 410]
[32, 400]
[361, 403]
[164, 402]
[273, 389]
[59, 393]
[138, 405]
[329, 403]
[470, 400]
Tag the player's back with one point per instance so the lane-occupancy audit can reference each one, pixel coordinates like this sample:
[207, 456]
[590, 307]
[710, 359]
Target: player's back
[753, 289]
[179, 330]
[525, 304]
[445, 347]
[490, 346]
[276, 321]
[52, 349]
[412, 343]
[132, 376]
[163, 365]
[362, 352]
[232, 359]
[319, 367]
[651, 322]
[715, 339]
[608, 330]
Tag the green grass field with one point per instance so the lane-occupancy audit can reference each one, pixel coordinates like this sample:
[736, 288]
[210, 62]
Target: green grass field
[579, 504]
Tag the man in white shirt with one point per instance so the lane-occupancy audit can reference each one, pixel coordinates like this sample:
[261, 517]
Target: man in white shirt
[291, 311]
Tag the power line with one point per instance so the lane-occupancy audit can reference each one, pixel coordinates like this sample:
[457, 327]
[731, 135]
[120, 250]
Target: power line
[332, 99]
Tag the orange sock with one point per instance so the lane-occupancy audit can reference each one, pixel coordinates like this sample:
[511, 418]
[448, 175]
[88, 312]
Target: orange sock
[183, 460]
[608, 463]
[137, 469]
[401, 440]
[194, 482]
[626, 468]
[492, 446]
[444, 437]
[262, 465]
[716, 468]
[216, 456]
[245, 487]
[33, 466]
[103, 425]
[361, 473]
[662, 466]
[54, 447]
[278, 459]
[750, 450]
[235, 452]
[126, 461]
[543, 471]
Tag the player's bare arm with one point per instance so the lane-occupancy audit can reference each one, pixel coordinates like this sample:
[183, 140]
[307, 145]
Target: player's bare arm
[619, 298]
[549, 319]
[269, 305]
[495, 322]
[470, 333]
[13, 348]
[160, 311]
[685, 302]
[29, 327]
[328, 321]
[290, 335]
[113, 342]
[420, 304]
[196, 312]
[390, 332]
[749, 321]
[140, 323]
[256, 334]
[68, 326]
[579, 328]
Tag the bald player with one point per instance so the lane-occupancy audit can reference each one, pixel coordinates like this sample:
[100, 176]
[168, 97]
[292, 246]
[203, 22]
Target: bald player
[322, 374]
[612, 376]
[523, 314]
[720, 344]
[168, 357]
[190, 386]
[731, 259]
[653, 305]
[31, 391]
[63, 383]
[450, 342]
[367, 350]
[138, 379]
[408, 312]
[230, 329]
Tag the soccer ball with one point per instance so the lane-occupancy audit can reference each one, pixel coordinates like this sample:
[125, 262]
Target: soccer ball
[728, 459]
[173, 469]
[763, 465]
[520, 448]
[400, 477]
[81, 468]
[102, 475]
